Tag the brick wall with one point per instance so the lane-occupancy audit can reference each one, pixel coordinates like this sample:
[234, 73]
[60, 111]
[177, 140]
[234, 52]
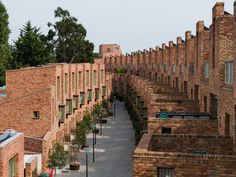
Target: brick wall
[14, 148]
[189, 143]
[146, 163]
[181, 126]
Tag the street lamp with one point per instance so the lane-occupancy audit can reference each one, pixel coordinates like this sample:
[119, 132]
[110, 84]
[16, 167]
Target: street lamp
[86, 154]
[94, 140]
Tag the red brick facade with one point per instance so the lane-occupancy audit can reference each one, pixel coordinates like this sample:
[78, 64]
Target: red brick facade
[12, 149]
[46, 102]
[194, 75]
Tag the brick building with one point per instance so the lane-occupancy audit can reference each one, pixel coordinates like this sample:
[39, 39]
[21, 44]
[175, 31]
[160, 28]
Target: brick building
[47, 102]
[183, 95]
[11, 154]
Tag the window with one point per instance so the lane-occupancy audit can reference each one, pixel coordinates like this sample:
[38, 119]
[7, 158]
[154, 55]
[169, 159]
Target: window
[36, 114]
[61, 113]
[89, 95]
[82, 98]
[87, 78]
[102, 76]
[165, 67]
[76, 102]
[166, 130]
[73, 81]
[174, 68]
[229, 72]
[165, 172]
[206, 72]
[68, 106]
[12, 167]
[104, 91]
[191, 69]
[58, 88]
[94, 77]
[79, 80]
[181, 68]
[96, 93]
[65, 83]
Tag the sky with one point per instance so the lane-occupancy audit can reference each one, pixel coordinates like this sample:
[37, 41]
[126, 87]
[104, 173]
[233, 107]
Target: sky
[133, 24]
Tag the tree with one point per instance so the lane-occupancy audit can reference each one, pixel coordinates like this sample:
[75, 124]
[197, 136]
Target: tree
[31, 48]
[57, 157]
[5, 52]
[70, 41]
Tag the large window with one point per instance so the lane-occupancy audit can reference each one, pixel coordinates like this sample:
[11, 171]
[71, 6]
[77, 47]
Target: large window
[102, 76]
[191, 70]
[89, 95]
[82, 98]
[65, 83]
[165, 67]
[12, 167]
[68, 106]
[87, 78]
[79, 79]
[94, 77]
[165, 172]
[58, 88]
[173, 68]
[76, 102]
[181, 68]
[73, 81]
[206, 70]
[61, 113]
[104, 91]
[229, 72]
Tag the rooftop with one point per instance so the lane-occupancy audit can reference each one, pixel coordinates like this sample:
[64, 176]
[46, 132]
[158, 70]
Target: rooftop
[8, 136]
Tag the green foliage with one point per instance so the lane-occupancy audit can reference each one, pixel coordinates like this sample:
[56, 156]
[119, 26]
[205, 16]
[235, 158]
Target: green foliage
[5, 51]
[97, 110]
[80, 135]
[104, 103]
[44, 175]
[57, 157]
[31, 48]
[87, 120]
[120, 70]
[70, 41]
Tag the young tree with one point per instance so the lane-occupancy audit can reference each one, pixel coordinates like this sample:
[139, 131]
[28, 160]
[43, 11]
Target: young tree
[5, 52]
[70, 41]
[31, 48]
[57, 157]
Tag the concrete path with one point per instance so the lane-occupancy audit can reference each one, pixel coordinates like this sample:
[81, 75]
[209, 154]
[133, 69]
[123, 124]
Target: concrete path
[113, 152]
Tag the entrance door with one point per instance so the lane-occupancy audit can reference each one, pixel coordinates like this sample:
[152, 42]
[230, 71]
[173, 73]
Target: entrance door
[213, 106]
[196, 93]
[186, 88]
[227, 124]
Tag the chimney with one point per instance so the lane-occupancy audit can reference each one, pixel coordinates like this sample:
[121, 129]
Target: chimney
[234, 8]
[179, 40]
[200, 26]
[171, 44]
[163, 46]
[157, 48]
[187, 35]
[217, 10]
[150, 49]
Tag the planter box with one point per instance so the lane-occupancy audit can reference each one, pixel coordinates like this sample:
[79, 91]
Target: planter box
[104, 121]
[74, 166]
[95, 131]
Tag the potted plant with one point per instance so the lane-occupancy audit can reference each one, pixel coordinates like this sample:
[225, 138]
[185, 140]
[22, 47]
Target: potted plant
[57, 157]
[77, 144]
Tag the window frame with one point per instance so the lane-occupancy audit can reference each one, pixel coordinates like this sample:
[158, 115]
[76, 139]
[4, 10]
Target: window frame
[228, 72]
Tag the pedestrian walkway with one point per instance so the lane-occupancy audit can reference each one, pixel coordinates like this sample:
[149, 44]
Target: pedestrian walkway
[113, 152]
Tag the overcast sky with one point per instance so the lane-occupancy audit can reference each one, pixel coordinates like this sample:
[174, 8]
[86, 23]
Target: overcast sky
[134, 24]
